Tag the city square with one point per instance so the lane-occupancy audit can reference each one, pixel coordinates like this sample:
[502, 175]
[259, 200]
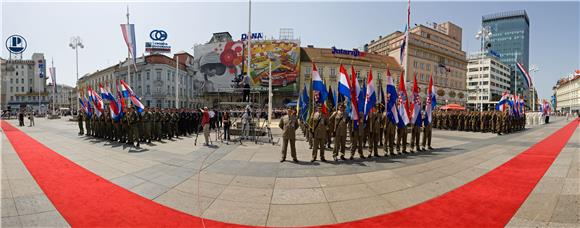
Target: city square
[412, 114]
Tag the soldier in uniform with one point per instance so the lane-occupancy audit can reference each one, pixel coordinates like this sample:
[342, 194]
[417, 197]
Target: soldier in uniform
[147, 119]
[339, 126]
[107, 126]
[427, 129]
[319, 124]
[401, 134]
[80, 117]
[374, 132]
[356, 137]
[175, 123]
[330, 130]
[125, 126]
[416, 134]
[289, 124]
[390, 129]
[133, 123]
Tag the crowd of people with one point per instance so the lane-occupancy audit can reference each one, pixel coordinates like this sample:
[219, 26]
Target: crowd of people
[486, 121]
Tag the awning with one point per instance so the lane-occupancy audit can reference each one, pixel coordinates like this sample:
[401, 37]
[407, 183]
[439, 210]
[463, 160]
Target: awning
[452, 107]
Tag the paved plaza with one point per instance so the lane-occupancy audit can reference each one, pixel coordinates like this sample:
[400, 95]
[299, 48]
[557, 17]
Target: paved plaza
[246, 184]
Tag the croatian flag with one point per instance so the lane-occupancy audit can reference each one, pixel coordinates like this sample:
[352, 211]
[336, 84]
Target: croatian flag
[99, 105]
[403, 108]
[104, 94]
[318, 85]
[516, 101]
[527, 77]
[116, 112]
[354, 92]
[361, 100]
[343, 83]
[501, 104]
[84, 107]
[88, 106]
[120, 96]
[126, 89]
[371, 96]
[392, 102]
[416, 108]
[129, 36]
[137, 103]
[431, 100]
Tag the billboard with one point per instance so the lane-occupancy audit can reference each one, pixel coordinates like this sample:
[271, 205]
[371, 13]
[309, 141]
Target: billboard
[285, 57]
[217, 65]
[220, 66]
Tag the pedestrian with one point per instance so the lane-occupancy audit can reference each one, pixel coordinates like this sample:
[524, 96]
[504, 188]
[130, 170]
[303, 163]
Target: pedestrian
[288, 124]
[31, 119]
[246, 120]
[227, 124]
[21, 119]
[205, 125]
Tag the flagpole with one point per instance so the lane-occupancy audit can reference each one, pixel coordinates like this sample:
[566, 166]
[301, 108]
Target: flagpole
[270, 94]
[407, 49]
[128, 58]
[177, 82]
[249, 38]
[53, 85]
[516, 74]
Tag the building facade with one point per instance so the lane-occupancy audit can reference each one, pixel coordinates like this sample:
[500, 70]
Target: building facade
[24, 84]
[155, 80]
[487, 79]
[64, 98]
[510, 40]
[434, 50]
[328, 61]
[567, 92]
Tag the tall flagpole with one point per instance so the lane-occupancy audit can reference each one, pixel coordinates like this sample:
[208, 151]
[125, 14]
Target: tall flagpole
[52, 72]
[128, 58]
[177, 82]
[407, 49]
[249, 38]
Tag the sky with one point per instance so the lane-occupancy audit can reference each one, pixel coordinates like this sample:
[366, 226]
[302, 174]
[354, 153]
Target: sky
[48, 26]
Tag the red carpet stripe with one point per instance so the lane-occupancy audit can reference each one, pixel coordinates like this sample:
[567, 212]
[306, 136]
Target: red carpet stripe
[86, 200]
[489, 201]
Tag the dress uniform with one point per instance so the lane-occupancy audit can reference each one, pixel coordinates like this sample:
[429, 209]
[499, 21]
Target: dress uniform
[289, 124]
[80, 117]
[416, 134]
[375, 133]
[427, 129]
[147, 119]
[340, 126]
[319, 124]
[390, 129]
[356, 137]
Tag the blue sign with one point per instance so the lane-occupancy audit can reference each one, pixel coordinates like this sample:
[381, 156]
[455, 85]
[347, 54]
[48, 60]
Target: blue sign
[255, 36]
[158, 35]
[16, 44]
[495, 53]
[354, 52]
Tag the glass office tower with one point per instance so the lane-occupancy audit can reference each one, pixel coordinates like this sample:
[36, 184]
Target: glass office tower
[510, 40]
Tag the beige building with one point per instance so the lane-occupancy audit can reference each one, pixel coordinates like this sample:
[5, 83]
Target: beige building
[328, 62]
[567, 92]
[487, 79]
[64, 98]
[22, 84]
[434, 50]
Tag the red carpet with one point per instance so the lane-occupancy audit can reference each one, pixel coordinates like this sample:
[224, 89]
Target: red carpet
[86, 200]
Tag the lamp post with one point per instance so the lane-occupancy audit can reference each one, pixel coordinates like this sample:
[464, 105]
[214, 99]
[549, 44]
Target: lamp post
[75, 43]
[533, 69]
[483, 34]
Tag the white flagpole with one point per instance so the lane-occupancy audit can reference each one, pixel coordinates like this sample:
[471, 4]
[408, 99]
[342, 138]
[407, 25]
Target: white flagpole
[128, 57]
[249, 38]
[52, 72]
[177, 83]
[407, 49]
[270, 95]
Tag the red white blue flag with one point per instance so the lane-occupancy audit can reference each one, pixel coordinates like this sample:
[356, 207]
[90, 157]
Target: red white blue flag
[527, 77]
[129, 36]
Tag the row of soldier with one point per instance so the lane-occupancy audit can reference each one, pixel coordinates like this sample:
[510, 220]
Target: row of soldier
[134, 127]
[500, 122]
[376, 130]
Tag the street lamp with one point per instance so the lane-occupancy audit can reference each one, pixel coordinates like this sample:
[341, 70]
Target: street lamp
[533, 69]
[483, 34]
[75, 43]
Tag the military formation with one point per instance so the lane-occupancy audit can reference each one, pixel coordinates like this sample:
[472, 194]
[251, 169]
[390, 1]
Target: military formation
[134, 127]
[488, 121]
[375, 132]
[381, 135]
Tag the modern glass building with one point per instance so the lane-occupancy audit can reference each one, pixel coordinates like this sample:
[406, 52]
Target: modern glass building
[510, 40]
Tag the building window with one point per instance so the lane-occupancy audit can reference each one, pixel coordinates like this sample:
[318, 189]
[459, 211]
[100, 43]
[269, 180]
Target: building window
[333, 72]
[168, 76]
[11, 98]
[11, 89]
[148, 89]
[428, 67]
[22, 89]
[30, 81]
[158, 75]
[321, 71]
[16, 89]
[11, 81]
[16, 73]
[415, 64]
[22, 80]
[148, 73]
[139, 77]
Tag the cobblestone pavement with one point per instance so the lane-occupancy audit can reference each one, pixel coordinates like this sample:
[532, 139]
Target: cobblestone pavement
[246, 184]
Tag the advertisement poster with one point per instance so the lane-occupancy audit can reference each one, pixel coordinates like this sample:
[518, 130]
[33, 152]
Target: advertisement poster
[217, 65]
[285, 57]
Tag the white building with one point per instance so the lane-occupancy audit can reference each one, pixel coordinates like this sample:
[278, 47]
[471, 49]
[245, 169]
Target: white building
[155, 80]
[64, 98]
[567, 92]
[24, 83]
[487, 79]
